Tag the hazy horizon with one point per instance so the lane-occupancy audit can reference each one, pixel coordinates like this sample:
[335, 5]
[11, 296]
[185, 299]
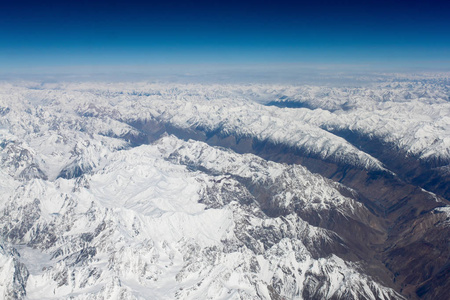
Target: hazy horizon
[84, 37]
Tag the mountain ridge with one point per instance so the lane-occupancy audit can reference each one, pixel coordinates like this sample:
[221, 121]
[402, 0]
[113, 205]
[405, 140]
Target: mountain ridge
[140, 190]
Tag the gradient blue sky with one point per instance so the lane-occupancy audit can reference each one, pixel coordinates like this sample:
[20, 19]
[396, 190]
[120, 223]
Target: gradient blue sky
[57, 34]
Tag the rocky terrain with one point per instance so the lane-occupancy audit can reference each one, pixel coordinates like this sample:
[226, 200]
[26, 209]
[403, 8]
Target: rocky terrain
[220, 191]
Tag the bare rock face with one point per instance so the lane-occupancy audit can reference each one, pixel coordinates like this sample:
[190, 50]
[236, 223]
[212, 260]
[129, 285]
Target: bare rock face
[141, 191]
[14, 274]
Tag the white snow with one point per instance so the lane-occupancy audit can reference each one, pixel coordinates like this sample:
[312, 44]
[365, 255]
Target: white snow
[173, 219]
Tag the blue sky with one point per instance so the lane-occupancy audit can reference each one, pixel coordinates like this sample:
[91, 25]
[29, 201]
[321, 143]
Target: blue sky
[58, 34]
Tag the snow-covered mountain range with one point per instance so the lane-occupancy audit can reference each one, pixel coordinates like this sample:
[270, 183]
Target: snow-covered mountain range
[218, 191]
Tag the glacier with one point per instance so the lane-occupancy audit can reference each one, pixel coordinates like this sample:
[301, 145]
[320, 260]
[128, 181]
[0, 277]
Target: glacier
[138, 190]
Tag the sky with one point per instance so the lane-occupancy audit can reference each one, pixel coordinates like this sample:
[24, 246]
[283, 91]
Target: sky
[45, 35]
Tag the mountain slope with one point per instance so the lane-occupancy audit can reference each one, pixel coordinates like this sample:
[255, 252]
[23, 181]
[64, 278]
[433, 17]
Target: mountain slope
[138, 191]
